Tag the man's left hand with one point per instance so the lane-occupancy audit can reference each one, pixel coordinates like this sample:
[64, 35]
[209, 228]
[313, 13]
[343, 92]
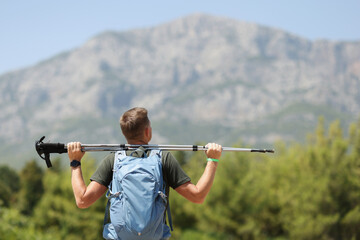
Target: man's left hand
[74, 151]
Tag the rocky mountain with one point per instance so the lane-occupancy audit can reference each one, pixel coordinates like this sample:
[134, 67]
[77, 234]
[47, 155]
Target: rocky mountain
[202, 78]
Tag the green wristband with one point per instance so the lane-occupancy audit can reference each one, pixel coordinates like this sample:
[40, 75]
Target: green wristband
[213, 160]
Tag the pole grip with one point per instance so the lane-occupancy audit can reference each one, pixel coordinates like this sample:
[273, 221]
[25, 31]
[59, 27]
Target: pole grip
[53, 147]
[45, 149]
[50, 148]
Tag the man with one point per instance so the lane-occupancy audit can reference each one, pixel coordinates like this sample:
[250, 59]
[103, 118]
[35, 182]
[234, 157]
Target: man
[136, 128]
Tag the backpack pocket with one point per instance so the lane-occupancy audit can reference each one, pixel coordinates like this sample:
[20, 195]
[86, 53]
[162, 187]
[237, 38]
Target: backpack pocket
[139, 201]
[117, 208]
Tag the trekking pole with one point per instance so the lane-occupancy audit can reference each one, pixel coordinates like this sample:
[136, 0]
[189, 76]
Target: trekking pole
[118, 147]
[45, 149]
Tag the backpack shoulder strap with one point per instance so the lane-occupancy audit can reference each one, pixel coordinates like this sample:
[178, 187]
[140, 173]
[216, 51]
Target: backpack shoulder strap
[156, 151]
[119, 155]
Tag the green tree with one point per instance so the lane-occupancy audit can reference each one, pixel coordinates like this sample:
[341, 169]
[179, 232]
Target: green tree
[57, 213]
[31, 182]
[9, 185]
[16, 226]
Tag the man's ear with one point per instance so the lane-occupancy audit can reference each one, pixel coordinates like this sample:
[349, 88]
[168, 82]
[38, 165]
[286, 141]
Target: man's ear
[147, 132]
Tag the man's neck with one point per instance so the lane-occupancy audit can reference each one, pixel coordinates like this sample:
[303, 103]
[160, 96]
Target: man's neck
[138, 142]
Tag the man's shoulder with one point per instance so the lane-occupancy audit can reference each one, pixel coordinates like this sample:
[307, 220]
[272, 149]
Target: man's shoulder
[167, 158]
[108, 161]
[109, 157]
[103, 173]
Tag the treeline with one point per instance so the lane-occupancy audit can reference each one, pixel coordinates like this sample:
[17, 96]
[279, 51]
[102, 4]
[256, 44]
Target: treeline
[304, 191]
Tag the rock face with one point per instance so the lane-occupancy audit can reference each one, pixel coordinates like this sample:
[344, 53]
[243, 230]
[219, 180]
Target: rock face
[199, 76]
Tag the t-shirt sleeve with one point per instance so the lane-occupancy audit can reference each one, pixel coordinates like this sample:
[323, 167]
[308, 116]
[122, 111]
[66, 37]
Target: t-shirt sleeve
[174, 175]
[103, 173]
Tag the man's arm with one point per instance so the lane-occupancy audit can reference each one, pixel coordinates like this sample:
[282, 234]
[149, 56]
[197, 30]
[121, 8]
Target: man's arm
[85, 196]
[197, 193]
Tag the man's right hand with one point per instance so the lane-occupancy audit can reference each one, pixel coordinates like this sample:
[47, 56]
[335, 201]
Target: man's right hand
[214, 150]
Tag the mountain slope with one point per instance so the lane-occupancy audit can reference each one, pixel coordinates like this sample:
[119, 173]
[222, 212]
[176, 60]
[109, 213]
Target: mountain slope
[203, 78]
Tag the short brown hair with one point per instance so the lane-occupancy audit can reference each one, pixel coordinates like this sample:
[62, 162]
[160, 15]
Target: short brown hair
[133, 123]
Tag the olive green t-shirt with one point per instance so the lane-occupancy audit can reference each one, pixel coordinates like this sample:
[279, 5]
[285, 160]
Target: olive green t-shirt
[173, 174]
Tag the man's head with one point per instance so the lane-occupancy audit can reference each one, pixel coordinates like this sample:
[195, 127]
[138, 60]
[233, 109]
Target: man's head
[135, 125]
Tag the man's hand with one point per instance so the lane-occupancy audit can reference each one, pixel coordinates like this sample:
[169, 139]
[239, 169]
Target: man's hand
[214, 150]
[74, 151]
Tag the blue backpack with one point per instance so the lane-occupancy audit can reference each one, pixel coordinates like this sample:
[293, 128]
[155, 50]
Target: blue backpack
[137, 202]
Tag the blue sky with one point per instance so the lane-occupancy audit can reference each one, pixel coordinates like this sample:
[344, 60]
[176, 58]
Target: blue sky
[32, 31]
